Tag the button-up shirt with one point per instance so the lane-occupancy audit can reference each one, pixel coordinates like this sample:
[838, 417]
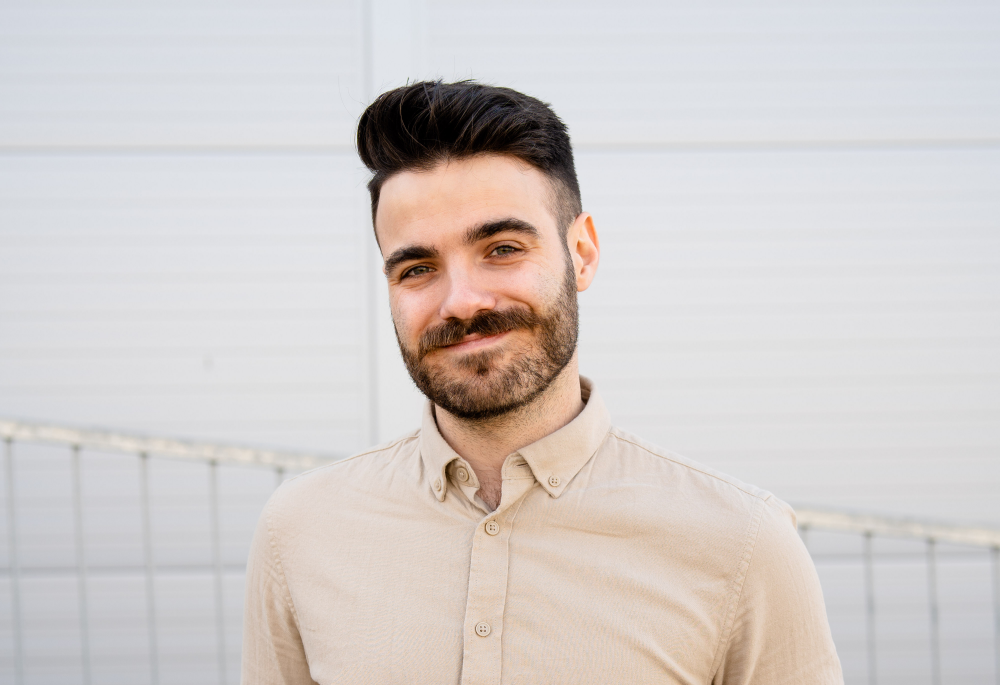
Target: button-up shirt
[608, 560]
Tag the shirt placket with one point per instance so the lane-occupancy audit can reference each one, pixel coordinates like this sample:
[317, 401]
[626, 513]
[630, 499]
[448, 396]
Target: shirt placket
[484, 610]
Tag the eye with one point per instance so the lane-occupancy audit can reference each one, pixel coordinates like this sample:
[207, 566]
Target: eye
[504, 250]
[415, 271]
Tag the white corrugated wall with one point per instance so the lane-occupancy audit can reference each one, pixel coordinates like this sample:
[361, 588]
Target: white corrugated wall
[799, 207]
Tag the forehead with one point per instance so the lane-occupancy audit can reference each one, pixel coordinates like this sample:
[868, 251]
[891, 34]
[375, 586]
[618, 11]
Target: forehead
[431, 206]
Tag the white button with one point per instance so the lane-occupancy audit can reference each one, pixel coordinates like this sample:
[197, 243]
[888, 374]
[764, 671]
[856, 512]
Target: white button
[482, 629]
[492, 527]
[437, 485]
[554, 481]
[462, 474]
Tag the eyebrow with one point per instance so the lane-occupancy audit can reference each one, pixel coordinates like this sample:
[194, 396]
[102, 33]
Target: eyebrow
[505, 225]
[406, 254]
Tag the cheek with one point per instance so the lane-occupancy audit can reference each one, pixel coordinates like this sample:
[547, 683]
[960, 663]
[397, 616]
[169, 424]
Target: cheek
[538, 288]
[529, 285]
[409, 314]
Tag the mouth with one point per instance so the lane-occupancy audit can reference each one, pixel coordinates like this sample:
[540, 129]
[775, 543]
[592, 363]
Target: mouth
[474, 341]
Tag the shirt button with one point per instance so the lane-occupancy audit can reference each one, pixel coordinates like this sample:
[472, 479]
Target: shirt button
[492, 527]
[437, 485]
[554, 481]
[462, 474]
[482, 629]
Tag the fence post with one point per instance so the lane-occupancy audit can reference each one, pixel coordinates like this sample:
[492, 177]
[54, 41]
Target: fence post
[220, 616]
[870, 610]
[15, 585]
[147, 552]
[932, 597]
[996, 612]
[81, 565]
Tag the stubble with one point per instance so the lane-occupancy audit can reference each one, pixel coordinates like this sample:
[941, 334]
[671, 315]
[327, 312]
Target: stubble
[481, 386]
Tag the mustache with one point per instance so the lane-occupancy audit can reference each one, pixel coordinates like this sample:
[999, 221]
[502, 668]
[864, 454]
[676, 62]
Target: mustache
[485, 323]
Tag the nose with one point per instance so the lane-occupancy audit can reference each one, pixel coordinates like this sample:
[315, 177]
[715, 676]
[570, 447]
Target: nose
[465, 296]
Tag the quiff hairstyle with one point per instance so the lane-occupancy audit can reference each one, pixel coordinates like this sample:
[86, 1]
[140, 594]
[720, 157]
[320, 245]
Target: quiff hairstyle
[420, 125]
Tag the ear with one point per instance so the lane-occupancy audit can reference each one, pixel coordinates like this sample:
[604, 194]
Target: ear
[584, 249]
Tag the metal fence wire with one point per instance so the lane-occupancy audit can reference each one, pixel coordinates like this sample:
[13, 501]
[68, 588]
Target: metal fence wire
[124, 560]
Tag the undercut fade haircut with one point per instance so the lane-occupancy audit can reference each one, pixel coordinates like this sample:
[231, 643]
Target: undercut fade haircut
[416, 127]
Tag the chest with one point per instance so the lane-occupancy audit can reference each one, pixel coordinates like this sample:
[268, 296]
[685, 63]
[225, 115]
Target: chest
[521, 601]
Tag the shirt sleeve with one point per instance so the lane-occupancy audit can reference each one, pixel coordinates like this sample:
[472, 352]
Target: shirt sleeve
[273, 653]
[779, 632]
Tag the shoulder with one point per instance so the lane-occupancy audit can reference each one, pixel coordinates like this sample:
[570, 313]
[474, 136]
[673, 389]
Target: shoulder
[363, 473]
[716, 516]
[676, 472]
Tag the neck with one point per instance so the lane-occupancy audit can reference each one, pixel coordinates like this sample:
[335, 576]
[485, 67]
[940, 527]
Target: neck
[486, 444]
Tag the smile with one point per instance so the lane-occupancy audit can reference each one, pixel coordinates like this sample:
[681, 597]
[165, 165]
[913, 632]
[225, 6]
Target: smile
[474, 341]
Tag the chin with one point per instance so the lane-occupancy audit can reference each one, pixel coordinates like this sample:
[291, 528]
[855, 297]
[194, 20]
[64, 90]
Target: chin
[482, 395]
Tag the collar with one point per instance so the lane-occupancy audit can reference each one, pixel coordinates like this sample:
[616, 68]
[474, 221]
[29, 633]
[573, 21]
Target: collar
[554, 460]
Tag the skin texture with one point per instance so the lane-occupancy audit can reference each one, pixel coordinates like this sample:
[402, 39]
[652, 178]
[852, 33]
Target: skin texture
[476, 239]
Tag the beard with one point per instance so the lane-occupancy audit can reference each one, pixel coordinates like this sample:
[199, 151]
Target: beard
[481, 386]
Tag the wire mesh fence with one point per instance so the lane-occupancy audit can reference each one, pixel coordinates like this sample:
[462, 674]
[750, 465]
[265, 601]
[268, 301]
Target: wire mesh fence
[123, 560]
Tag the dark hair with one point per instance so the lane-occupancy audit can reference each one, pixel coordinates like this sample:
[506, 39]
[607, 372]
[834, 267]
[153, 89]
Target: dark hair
[419, 125]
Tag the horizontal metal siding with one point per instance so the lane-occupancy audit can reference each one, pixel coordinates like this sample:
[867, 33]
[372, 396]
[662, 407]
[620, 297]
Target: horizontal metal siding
[654, 72]
[212, 73]
[194, 295]
[782, 315]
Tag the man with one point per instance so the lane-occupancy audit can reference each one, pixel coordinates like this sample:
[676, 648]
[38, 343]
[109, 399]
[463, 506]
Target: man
[517, 537]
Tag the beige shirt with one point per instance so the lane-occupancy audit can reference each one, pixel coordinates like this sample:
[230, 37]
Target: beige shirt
[609, 560]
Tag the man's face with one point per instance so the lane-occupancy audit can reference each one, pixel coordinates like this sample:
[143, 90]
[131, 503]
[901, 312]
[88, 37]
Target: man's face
[481, 284]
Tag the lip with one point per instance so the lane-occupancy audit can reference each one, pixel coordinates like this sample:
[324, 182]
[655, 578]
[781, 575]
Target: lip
[475, 342]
